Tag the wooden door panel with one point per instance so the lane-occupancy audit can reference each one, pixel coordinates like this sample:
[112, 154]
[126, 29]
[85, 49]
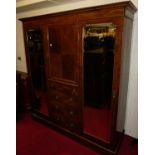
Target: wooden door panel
[68, 65]
[63, 52]
[55, 66]
[55, 39]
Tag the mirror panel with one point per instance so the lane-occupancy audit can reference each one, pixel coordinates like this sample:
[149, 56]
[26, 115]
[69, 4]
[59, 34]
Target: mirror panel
[37, 69]
[98, 74]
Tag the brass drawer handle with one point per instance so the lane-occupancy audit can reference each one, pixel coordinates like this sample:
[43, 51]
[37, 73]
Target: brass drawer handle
[71, 125]
[71, 112]
[56, 107]
[74, 92]
[56, 97]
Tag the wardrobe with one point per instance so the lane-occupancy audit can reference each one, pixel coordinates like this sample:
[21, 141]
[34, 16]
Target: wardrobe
[78, 63]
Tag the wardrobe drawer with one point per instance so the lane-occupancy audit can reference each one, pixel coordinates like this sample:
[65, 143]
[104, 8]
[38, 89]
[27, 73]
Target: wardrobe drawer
[69, 111]
[73, 126]
[64, 106]
[56, 107]
[57, 118]
[65, 89]
[62, 98]
[62, 113]
[66, 121]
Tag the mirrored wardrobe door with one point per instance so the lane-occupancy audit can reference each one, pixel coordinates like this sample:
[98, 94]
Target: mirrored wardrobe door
[98, 60]
[37, 70]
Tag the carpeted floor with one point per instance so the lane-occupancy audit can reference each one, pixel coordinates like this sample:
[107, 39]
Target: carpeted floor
[33, 138]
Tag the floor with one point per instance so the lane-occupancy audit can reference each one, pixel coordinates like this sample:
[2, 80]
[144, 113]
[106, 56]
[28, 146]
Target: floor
[33, 138]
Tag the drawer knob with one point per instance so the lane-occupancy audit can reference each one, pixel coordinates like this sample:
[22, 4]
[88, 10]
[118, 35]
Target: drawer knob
[56, 97]
[56, 107]
[74, 92]
[71, 125]
[71, 112]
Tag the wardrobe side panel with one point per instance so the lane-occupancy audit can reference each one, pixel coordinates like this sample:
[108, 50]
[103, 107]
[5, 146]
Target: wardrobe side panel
[124, 77]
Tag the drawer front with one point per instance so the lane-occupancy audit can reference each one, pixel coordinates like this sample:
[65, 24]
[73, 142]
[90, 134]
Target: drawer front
[64, 99]
[66, 117]
[64, 94]
[64, 107]
[65, 89]
[63, 113]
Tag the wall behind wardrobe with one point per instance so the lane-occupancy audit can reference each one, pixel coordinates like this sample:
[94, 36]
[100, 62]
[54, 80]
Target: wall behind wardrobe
[131, 122]
[20, 51]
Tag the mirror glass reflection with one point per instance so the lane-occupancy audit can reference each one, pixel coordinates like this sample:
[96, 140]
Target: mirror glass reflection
[98, 74]
[37, 69]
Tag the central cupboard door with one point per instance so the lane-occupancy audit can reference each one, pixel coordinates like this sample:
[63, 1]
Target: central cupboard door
[63, 52]
[65, 107]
